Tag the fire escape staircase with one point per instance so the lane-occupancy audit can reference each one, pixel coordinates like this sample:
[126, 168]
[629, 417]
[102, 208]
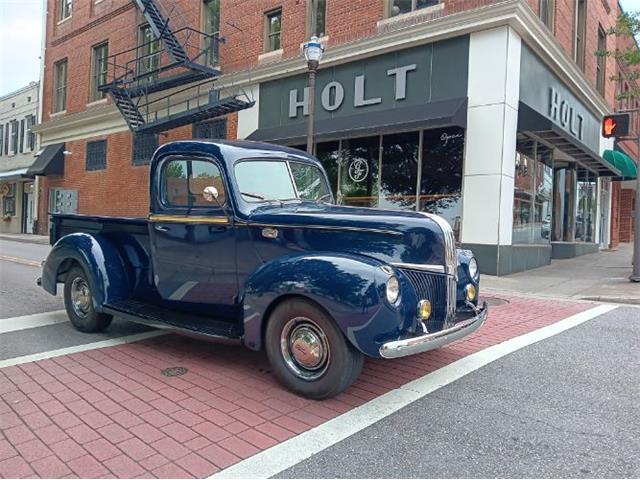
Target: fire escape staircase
[146, 89]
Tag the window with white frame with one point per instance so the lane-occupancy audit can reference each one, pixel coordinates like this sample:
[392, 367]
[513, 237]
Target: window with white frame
[273, 29]
[398, 7]
[211, 23]
[317, 12]
[99, 56]
[546, 11]
[31, 137]
[579, 31]
[13, 147]
[64, 9]
[60, 86]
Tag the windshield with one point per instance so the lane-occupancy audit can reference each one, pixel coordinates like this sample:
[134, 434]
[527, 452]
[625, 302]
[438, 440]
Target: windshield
[260, 180]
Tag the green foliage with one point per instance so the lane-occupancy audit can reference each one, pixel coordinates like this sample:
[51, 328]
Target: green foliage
[628, 25]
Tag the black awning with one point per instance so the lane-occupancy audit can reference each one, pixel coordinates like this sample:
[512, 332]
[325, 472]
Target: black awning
[437, 114]
[531, 121]
[50, 161]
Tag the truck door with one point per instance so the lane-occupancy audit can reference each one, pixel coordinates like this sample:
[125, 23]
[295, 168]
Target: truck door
[192, 233]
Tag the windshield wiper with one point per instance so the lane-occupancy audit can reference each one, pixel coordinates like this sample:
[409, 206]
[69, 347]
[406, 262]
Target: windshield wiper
[253, 195]
[323, 197]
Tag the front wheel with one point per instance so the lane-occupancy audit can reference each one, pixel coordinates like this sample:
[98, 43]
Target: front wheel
[78, 301]
[307, 351]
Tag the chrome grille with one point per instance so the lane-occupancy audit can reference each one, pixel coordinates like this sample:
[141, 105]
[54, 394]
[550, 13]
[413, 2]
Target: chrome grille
[451, 267]
[433, 287]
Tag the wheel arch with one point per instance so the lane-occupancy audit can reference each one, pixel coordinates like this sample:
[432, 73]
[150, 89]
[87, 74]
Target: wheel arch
[96, 256]
[348, 288]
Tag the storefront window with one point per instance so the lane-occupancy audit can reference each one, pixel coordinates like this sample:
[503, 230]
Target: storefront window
[329, 155]
[586, 206]
[359, 176]
[543, 203]
[532, 205]
[441, 179]
[363, 174]
[399, 170]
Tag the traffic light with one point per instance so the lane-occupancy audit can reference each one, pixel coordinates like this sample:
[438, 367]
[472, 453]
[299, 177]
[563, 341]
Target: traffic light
[616, 126]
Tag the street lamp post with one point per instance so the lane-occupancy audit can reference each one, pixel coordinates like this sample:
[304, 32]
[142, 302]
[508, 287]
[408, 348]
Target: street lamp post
[635, 274]
[313, 52]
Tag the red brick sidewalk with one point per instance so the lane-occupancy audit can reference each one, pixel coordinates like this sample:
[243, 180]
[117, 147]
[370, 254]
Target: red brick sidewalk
[111, 413]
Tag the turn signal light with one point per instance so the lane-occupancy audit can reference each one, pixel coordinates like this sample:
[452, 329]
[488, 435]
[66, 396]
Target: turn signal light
[470, 293]
[424, 309]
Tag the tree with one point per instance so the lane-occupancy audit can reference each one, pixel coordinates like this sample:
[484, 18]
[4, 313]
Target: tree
[626, 53]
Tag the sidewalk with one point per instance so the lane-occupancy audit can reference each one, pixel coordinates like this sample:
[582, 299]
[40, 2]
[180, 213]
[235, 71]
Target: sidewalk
[25, 238]
[602, 276]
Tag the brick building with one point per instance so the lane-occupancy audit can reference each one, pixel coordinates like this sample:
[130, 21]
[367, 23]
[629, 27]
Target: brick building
[485, 112]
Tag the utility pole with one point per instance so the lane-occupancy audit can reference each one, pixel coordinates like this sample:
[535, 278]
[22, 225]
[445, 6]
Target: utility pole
[635, 273]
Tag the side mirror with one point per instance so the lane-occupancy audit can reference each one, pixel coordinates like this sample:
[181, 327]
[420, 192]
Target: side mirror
[210, 194]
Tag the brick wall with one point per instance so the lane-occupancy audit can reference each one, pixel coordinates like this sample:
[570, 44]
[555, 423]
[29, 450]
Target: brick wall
[627, 214]
[615, 215]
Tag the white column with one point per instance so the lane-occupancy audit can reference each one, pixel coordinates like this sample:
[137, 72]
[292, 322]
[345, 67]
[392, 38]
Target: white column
[248, 119]
[492, 122]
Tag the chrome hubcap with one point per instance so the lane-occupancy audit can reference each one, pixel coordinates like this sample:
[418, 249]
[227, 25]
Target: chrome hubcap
[80, 297]
[305, 348]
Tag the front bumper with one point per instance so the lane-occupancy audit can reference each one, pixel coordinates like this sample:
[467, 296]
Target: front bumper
[431, 341]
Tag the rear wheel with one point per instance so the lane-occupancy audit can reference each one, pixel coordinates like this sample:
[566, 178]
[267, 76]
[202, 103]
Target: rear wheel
[308, 352]
[78, 301]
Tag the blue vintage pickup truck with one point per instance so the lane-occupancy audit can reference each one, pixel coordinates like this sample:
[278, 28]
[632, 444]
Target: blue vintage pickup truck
[245, 244]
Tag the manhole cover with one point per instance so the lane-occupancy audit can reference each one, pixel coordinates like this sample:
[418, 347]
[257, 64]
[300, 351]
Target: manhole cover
[495, 301]
[174, 371]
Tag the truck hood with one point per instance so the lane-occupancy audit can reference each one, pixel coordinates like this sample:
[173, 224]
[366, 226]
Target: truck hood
[390, 236]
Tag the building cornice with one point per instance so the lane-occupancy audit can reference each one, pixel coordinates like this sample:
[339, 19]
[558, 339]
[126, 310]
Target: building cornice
[512, 13]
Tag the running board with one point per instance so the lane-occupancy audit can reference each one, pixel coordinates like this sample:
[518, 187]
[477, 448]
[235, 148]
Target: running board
[183, 323]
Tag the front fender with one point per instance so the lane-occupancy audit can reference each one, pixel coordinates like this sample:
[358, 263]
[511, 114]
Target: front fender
[349, 287]
[99, 259]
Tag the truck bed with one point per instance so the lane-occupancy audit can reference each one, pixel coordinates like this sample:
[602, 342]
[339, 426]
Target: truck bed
[65, 224]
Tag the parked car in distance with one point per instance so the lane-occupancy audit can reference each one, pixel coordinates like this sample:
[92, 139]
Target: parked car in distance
[244, 244]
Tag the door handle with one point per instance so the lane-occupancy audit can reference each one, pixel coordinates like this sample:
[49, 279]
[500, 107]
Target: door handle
[160, 228]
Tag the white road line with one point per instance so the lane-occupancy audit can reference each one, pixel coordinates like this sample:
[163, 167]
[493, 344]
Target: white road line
[32, 321]
[274, 460]
[80, 348]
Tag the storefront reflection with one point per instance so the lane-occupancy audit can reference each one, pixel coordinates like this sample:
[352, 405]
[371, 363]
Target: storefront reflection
[391, 171]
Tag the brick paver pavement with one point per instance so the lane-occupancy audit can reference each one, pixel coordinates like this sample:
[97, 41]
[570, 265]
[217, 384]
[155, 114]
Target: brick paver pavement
[111, 413]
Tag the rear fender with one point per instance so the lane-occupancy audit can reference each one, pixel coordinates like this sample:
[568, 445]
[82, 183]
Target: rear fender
[349, 288]
[99, 259]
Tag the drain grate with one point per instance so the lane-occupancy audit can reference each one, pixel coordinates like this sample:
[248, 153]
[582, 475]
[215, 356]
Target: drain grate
[495, 301]
[174, 371]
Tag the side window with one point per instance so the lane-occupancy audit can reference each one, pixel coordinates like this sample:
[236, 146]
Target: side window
[184, 183]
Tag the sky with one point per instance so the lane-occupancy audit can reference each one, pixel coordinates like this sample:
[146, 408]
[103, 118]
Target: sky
[21, 36]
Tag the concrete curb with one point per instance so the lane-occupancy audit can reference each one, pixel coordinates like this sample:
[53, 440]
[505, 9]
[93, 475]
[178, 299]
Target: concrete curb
[35, 239]
[622, 300]
[601, 299]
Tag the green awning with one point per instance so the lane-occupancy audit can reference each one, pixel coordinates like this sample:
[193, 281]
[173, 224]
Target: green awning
[622, 162]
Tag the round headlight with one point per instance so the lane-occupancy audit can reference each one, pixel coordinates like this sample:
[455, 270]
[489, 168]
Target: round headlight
[393, 289]
[473, 269]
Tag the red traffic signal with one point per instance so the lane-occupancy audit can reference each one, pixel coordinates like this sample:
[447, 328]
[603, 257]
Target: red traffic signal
[615, 126]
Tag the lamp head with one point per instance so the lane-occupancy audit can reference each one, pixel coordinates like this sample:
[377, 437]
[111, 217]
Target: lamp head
[313, 50]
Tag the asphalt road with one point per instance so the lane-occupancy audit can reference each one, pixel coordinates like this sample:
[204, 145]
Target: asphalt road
[20, 296]
[565, 407]
[19, 269]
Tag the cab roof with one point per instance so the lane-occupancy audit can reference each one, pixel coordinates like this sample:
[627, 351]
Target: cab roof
[231, 151]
